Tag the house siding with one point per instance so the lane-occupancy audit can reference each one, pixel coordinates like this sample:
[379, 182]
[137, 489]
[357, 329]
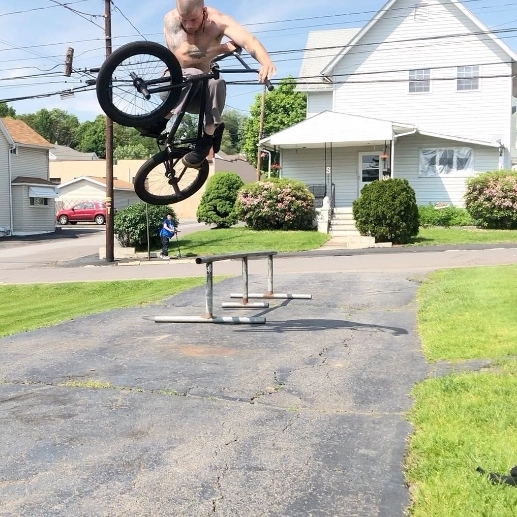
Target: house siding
[308, 165]
[86, 191]
[443, 110]
[31, 163]
[5, 219]
[31, 219]
[318, 102]
[449, 189]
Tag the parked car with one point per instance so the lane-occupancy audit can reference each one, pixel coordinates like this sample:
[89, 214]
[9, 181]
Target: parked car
[85, 212]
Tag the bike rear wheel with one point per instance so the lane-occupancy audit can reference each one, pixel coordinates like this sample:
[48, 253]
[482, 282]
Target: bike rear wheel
[163, 179]
[124, 90]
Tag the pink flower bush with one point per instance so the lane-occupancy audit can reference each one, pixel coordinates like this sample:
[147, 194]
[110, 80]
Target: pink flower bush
[491, 199]
[276, 204]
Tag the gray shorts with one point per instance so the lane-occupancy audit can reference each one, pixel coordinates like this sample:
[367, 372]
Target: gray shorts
[214, 102]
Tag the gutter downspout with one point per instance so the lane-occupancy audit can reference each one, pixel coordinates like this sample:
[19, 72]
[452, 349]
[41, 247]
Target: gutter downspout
[392, 153]
[9, 168]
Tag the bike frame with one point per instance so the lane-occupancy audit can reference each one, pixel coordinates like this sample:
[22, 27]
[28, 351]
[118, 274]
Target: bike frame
[194, 80]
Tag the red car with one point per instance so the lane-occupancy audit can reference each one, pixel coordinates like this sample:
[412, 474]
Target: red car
[85, 212]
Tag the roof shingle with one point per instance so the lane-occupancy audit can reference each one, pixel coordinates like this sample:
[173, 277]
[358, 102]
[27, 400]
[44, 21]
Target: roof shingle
[22, 133]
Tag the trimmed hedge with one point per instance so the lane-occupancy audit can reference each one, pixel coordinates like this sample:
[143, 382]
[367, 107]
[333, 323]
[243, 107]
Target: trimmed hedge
[131, 229]
[387, 210]
[217, 205]
[430, 215]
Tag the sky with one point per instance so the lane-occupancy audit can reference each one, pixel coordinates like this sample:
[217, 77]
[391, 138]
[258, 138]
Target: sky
[35, 36]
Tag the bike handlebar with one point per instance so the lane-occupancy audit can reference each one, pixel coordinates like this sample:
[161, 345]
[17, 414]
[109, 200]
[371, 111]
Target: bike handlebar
[237, 54]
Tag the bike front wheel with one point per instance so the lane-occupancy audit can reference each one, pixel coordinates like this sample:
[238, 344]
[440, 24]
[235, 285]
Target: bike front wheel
[128, 79]
[164, 179]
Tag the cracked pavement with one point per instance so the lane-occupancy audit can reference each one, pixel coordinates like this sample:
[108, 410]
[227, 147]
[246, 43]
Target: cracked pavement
[115, 415]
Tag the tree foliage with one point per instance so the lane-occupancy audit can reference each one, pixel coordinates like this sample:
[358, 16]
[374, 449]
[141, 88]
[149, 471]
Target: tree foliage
[283, 107]
[233, 136]
[6, 111]
[56, 126]
[217, 205]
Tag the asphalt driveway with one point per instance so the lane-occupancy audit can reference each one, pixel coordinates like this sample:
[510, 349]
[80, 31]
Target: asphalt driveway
[115, 415]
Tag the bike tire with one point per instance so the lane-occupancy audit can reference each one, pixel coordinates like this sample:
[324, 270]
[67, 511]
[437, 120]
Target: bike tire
[119, 97]
[155, 184]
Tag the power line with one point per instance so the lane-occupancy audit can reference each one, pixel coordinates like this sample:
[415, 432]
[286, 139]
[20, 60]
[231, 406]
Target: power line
[127, 19]
[40, 8]
[85, 16]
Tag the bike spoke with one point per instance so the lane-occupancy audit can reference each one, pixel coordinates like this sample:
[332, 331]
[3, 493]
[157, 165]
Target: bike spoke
[125, 96]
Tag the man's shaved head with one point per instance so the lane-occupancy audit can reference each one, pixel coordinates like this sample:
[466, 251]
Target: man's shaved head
[186, 7]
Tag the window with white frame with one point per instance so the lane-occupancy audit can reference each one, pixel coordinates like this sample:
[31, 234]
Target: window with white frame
[446, 161]
[38, 201]
[420, 80]
[468, 78]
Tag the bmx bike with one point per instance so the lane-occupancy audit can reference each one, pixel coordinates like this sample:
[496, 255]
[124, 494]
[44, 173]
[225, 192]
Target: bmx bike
[137, 86]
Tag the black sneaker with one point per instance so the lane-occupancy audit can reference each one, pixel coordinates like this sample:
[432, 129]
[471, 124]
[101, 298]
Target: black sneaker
[155, 130]
[218, 137]
[197, 156]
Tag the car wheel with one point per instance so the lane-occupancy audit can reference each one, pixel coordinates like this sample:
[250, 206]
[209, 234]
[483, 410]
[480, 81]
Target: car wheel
[99, 219]
[63, 219]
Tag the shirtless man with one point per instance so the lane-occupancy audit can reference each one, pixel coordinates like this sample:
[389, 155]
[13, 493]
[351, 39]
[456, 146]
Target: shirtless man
[193, 33]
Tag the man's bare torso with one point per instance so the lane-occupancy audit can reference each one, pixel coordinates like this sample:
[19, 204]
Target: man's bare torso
[191, 49]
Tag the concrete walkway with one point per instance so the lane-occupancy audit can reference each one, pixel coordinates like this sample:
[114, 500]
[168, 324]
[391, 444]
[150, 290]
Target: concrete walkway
[115, 415]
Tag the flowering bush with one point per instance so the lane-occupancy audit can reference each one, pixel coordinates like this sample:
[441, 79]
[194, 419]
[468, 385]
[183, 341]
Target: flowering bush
[491, 199]
[276, 204]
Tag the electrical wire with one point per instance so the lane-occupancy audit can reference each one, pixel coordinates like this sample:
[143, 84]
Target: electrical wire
[127, 19]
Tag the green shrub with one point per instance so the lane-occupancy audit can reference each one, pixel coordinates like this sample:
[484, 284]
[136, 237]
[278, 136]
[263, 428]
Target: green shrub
[217, 205]
[491, 199]
[130, 225]
[276, 204]
[431, 215]
[387, 210]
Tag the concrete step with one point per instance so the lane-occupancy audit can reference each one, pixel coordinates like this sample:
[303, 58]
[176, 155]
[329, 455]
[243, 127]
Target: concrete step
[343, 210]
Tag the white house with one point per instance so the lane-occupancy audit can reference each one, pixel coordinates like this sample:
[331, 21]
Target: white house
[425, 91]
[26, 194]
[86, 188]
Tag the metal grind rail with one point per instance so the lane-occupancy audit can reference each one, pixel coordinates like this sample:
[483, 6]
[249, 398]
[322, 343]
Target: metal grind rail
[209, 317]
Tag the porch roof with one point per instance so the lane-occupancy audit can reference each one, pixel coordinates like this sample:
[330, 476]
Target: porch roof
[339, 129]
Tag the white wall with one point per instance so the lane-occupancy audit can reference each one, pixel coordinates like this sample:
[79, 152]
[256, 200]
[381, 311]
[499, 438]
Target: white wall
[4, 182]
[449, 189]
[308, 165]
[31, 219]
[482, 115]
[318, 102]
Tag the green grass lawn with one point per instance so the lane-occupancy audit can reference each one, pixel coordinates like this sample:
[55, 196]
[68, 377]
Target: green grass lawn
[27, 307]
[436, 236]
[233, 240]
[466, 420]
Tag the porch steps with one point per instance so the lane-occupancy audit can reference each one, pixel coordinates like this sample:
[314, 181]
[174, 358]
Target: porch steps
[342, 223]
[344, 234]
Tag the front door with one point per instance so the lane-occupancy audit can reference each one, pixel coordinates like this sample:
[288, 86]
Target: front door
[369, 168]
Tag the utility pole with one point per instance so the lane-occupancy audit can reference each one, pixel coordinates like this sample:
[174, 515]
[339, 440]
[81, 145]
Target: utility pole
[110, 234]
[261, 130]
